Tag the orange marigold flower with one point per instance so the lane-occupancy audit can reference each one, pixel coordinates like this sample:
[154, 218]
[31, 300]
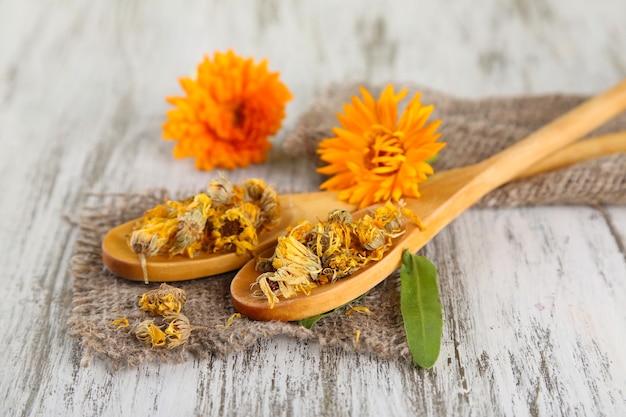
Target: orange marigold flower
[374, 157]
[228, 112]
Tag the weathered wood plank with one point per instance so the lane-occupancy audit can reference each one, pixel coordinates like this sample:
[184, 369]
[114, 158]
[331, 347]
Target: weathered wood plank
[533, 298]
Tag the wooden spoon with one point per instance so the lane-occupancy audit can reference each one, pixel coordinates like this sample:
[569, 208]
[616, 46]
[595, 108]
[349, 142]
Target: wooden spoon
[118, 257]
[444, 197]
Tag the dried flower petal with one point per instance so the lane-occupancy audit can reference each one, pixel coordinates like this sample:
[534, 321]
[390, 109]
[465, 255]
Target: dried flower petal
[121, 323]
[148, 332]
[229, 321]
[360, 309]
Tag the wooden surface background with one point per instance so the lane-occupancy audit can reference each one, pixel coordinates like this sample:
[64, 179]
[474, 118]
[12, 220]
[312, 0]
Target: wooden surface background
[533, 297]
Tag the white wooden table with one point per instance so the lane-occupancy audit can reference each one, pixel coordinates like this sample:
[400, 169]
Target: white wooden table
[534, 297]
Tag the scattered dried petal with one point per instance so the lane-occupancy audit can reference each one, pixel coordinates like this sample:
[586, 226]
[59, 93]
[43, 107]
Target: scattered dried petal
[230, 320]
[359, 309]
[121, 323]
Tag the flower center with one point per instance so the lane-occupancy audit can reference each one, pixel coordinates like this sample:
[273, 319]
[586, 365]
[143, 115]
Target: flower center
[238, 116]
[385, 154]
[228, 121]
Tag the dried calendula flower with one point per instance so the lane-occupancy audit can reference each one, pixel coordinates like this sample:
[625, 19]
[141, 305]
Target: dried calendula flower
[267, 200]
[190, 228]
[309, 255]
[221, 190]
[173, 329]
[148, 332]
[234, 230]
[163, 300]
[227, 217]
[178, 329]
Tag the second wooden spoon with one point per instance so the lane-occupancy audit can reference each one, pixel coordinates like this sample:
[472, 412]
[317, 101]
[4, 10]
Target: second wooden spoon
[444, 197]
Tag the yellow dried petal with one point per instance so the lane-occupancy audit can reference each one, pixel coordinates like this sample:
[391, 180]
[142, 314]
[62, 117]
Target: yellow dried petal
[230, 320]
[121, 323]
[148, 332]
[359, 309]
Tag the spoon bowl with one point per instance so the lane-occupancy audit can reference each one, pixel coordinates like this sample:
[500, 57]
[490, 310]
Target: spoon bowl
[444, 197]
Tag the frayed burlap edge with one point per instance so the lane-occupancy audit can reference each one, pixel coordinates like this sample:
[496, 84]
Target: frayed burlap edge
[475, 129]
[99, 297]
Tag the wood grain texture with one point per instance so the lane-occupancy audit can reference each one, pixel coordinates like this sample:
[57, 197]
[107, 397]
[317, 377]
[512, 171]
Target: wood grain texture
[533, 298]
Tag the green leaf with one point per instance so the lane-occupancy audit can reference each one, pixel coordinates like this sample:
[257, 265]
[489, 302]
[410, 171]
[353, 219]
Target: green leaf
[433, 159]
[310, 321]
[421, 308]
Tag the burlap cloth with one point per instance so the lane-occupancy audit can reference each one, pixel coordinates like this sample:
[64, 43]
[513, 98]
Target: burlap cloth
[473, 129]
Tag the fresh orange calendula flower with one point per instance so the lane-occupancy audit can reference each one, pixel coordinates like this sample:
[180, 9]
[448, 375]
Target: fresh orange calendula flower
[228, 113]
[375, 157]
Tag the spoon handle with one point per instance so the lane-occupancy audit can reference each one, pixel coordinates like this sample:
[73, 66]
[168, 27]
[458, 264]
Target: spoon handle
[445, 197]
[582, 150]
[514, 160]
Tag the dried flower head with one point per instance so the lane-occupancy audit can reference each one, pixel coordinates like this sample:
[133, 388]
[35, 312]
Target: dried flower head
[221, 190]
[254, 188]
[308, 255]
[227, 218]
[374, 157]
[294, 269]
[163, 300]
[149, 333]
[234, 230]
[178, 329]
[370, 236]
[228, 112]
[192, 220]
[152, 235]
